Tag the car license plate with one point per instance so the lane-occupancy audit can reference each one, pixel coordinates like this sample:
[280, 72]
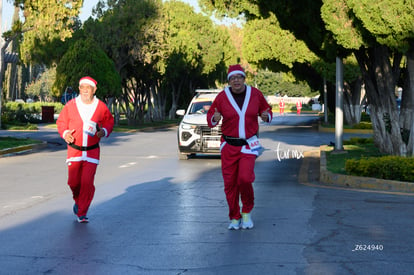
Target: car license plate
[213, 143]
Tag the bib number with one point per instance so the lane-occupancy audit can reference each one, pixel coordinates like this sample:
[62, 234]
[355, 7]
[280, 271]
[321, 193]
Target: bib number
[89, 128]
[254, 143]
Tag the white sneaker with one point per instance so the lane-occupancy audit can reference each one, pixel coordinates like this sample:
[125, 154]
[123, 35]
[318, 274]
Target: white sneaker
[247, 222]
[234, 225]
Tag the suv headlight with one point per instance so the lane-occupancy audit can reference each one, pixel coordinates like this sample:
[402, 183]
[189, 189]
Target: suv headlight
[186, 126]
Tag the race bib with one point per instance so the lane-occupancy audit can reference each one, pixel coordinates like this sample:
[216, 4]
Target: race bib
[89, 128]
[254, 143]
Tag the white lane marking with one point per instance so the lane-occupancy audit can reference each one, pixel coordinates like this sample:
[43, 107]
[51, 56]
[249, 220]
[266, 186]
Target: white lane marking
[130, 164]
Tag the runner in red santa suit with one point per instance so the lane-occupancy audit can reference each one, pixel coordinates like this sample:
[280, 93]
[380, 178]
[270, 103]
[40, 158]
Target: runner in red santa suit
[239, 106]
[298, 107]
[82, 123]
[282, 107]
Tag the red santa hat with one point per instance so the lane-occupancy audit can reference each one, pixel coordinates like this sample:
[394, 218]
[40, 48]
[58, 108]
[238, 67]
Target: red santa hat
[235, 69]
[88, 80]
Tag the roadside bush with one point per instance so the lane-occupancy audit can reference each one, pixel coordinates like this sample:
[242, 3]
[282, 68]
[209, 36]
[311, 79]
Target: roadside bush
[386, 167]
[17, 113]
[35, 107]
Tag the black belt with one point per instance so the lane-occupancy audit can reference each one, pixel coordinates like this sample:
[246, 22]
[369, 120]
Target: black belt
[84, 148]
[235, 141]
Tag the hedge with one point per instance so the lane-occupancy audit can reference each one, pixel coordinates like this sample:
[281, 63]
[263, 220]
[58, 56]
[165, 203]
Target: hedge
[18, 112]
[386, 167]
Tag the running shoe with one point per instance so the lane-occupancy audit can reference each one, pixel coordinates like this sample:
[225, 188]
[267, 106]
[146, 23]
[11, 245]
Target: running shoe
[234, 225]
[83, 219]
[247, 222]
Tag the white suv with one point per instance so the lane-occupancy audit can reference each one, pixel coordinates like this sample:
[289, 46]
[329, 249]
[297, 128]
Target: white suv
[194, 135]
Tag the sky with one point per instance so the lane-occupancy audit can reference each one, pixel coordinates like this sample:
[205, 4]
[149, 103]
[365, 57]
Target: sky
[86, 10]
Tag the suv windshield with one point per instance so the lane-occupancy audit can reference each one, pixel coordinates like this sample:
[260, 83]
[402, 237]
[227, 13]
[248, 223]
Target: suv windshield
[200, 107]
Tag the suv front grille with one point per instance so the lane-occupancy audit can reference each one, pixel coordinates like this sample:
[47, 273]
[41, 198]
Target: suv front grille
[207, 131]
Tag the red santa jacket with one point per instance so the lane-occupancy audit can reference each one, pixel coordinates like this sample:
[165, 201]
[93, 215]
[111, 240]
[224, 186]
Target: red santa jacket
[239, 123]
[75, 115]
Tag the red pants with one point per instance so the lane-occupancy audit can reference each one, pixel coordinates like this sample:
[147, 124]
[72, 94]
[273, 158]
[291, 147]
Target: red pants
[81, 181]
[238, 175]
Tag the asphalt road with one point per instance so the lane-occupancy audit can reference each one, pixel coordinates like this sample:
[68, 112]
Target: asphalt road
[155, 214]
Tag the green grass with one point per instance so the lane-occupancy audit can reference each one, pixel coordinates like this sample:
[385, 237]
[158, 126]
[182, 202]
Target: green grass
[20, 126]
[11, 142]
[335, 161]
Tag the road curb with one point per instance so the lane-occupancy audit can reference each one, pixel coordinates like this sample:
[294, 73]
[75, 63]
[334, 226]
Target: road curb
[22, 149]
[338, 180]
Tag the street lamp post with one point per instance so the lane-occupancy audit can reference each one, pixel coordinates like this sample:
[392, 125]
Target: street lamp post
[339, 105]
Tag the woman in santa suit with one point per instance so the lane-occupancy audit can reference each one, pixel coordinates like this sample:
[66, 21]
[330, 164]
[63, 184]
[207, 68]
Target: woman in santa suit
[239, 105]
[82, 123]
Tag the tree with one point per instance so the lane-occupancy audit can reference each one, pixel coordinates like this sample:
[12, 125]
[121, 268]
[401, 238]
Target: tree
[379, 39]
[198, 51]
[378, 33]
[85, 58]
[120, 32]
[163, 53]
[8, 38]
[46, 22]
[10, 83]
[271, 83]
[41, 87]
[265, 40]
[354, 92]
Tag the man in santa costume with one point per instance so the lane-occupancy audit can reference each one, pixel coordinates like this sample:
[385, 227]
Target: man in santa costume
[82, 123]
[298, 107]
[282, 107]
[239, 106]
